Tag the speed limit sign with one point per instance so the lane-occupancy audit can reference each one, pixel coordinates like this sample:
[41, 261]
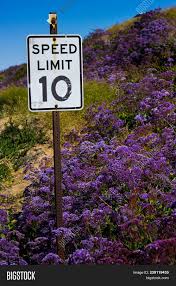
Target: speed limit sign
[55, 76]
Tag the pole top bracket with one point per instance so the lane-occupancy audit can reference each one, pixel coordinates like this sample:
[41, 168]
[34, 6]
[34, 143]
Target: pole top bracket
[52, 20]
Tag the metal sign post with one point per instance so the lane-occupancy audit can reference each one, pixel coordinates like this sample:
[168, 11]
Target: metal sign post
[57, 157]
[55, 83]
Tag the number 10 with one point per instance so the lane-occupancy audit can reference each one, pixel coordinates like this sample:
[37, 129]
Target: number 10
[43, 81]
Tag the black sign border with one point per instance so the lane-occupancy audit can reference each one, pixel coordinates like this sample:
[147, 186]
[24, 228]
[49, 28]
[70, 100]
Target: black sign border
[29, 74]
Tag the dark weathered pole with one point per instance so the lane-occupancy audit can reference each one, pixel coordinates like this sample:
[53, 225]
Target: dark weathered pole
[57, 157]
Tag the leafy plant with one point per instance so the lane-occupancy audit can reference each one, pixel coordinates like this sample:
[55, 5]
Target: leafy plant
[16, 140]
[13, 100]
[4, 172]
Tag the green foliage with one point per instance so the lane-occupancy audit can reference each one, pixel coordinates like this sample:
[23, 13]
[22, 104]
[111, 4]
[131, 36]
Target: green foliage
[98, 92]
[13, 100]
[128, 118]
[16, 140]
[4, 171]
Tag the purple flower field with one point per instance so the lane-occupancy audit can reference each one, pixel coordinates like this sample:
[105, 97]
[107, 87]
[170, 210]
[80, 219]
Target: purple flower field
[119, 171]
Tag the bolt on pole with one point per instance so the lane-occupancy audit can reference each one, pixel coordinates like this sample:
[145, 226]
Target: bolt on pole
[57, 157]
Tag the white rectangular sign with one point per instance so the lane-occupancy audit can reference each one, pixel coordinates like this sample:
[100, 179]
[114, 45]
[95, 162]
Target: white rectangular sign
[55, 73]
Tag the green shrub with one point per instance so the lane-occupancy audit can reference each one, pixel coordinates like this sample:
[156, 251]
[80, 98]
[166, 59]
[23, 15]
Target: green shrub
[13, 100]
[16, 140]
[129, 119]
[4, 172]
